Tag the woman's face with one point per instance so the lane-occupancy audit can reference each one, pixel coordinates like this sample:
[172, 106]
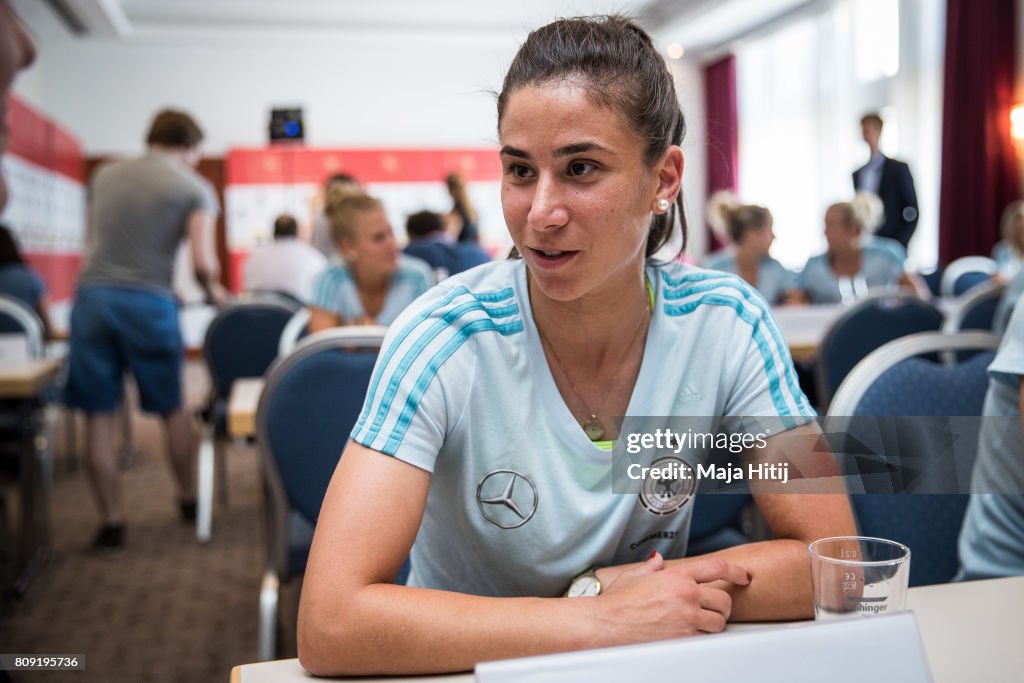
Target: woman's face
[1018, 231]
[760, 237]
[576, 193]
[372, 248]
[839, 233]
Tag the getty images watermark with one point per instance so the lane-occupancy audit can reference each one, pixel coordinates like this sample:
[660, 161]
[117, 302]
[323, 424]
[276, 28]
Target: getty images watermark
[663, 440]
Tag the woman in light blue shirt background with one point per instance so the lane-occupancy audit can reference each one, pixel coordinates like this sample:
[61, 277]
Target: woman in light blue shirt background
[749, 228]
[850, 268]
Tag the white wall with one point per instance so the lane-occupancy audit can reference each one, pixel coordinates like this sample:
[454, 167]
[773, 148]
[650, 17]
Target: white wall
[689, 82]
[356, 92]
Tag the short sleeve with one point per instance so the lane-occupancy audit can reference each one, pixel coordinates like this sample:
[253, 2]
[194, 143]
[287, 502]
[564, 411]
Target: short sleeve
[207, 200]
[37, 285]
[331, 292]
[1008, 365]
[411, 402]
[764, 383]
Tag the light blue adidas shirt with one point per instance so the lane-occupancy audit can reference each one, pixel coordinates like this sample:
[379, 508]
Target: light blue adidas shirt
[335, 291]
[992, 537]
[773, 280]
[520, 499]
[878, 266]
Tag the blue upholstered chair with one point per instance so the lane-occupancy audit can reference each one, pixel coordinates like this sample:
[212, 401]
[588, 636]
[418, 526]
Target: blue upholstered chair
[899, 380]
[975, 310]
[241, 341]
[966, 273]
[18, 319]
[716, 522]
[306, 412]
[863, 328]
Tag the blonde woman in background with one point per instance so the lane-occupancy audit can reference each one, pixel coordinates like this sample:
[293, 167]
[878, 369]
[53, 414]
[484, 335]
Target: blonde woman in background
[853, 265]
[1009, 251]
[749, 229]
[374, 281]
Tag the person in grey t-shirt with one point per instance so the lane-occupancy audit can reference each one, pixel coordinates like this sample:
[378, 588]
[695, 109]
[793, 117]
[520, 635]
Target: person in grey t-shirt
[125, 316]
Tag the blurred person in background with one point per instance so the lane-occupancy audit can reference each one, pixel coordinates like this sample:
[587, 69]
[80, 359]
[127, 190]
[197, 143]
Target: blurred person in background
[853, 264]
[891, 181]
[464, 218]
[125, 317]
[374, 281]
[749, 229]
[335, 188]
[429, 241]
[18, 280]
[1009, 251]
[17, 52]
[286, 265]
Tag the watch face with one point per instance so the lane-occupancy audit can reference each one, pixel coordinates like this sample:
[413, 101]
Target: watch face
[584, 587]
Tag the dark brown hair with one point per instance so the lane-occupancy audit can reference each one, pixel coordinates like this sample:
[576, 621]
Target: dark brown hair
[9, 252]
[171, 128]
[423, 223]
[285, 226]
[872, 118]
[622, 69]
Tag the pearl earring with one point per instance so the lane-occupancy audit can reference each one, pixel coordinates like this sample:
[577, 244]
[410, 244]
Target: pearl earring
[663, 205]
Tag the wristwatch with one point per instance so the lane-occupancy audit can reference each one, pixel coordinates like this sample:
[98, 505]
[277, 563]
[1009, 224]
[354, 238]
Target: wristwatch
[586, 585]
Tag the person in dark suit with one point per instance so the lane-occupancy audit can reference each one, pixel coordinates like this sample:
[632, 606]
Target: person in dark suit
[429, 240]
[891, 181]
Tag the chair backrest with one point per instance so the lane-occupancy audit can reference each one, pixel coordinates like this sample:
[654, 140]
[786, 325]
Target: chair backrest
[975, 310]
[306, 412]
[896, 381]
[863, 328]
[933, 279]
[966, 272]
[243, 338]
[18, 319]
[296, 329]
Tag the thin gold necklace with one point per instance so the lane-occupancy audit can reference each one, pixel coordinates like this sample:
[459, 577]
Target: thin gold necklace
[592, 426]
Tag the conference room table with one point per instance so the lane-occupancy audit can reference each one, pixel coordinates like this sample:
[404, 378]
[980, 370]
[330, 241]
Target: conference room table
[970, 632]
[23, 383]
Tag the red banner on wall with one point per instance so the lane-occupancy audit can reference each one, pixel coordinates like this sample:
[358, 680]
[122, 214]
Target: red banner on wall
[290, 165]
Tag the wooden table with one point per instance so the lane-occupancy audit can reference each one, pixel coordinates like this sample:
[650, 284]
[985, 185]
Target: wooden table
[803, 327]
[971, 632]
[27, 378]
[22, 383]
[242, 404]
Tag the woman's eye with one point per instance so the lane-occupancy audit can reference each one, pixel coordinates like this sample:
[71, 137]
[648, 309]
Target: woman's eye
[577, 168]
[519, 171]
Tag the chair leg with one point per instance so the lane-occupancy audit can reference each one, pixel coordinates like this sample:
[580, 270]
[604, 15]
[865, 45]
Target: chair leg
[269, 590]
[204, 497]
[220, 458]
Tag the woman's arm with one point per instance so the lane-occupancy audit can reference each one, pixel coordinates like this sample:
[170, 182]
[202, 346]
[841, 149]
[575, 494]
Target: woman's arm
[353, 620]
[321, 319]
[780, 583]
[914, 282]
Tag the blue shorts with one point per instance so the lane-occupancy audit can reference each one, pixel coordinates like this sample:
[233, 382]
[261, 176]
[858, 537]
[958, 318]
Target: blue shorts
[114, 329]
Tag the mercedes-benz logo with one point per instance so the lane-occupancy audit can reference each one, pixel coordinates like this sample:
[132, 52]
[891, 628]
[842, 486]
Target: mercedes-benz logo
[507, 498]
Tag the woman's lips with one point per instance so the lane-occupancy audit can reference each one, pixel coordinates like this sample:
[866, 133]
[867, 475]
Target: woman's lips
[551, 258]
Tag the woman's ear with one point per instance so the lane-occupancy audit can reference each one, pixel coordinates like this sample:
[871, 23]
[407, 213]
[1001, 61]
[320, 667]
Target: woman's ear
[670, 174]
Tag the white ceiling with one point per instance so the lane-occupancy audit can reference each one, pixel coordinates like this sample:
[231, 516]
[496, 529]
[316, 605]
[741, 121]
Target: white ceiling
[695, 24]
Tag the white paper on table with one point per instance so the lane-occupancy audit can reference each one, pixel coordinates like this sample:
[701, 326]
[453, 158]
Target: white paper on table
[883, 648]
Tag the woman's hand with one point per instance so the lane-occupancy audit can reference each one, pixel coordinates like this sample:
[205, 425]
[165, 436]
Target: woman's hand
[656, 601]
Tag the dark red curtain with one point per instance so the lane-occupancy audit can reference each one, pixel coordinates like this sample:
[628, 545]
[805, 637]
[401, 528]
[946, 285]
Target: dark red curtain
[722, 127]
[979, 166]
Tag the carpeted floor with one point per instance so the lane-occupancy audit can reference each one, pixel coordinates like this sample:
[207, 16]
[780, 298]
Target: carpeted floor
[165, 609]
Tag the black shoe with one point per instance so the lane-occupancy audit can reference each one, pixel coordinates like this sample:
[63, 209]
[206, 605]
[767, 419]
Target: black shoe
[109, 537]
[188, 510]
